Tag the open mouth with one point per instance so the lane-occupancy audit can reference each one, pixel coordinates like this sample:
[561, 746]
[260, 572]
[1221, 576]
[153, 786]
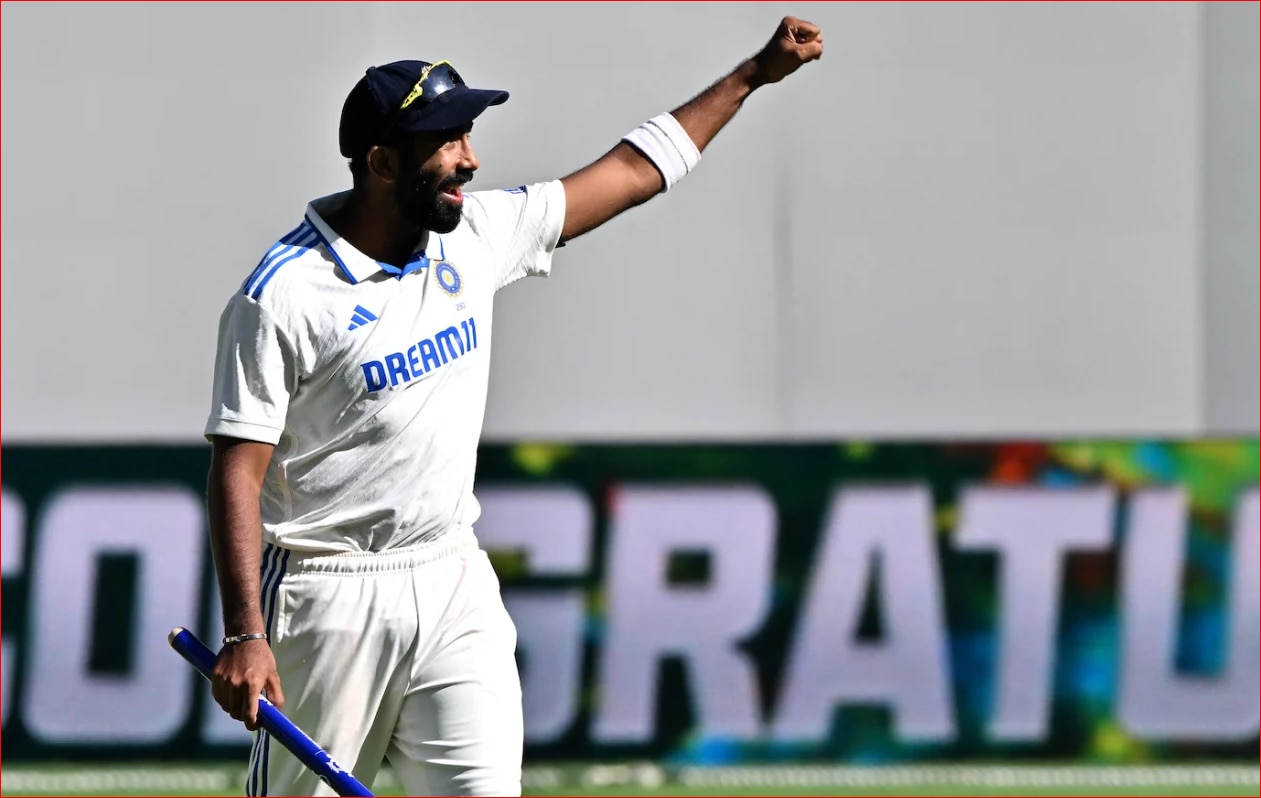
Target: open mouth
[454, 192]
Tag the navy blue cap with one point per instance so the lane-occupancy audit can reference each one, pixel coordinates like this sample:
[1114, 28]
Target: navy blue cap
[409, 97]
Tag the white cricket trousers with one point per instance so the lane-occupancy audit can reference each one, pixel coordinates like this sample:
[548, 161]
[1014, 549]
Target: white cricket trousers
[405, 655]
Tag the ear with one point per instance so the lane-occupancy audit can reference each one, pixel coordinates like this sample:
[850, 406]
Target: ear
[383, 162]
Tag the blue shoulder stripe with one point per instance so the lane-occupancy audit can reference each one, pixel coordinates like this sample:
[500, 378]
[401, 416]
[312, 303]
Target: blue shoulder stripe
[280, 258]
[292, 236]
[283, 251]
[289, 238]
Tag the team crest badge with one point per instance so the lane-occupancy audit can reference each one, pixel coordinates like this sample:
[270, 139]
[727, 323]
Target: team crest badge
[448, 278]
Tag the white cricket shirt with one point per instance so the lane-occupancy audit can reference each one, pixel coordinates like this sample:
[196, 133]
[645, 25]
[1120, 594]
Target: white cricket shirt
[370, 380]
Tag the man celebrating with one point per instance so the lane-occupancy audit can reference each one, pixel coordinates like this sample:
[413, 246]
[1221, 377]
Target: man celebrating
[349, 390]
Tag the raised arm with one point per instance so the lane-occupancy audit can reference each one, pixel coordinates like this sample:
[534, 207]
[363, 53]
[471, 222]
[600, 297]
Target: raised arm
[629, 175]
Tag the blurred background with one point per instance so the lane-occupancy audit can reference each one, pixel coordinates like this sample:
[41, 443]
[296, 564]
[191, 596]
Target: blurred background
[909, 445]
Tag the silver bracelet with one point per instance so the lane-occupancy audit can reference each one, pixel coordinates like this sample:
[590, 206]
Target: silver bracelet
[228, 641]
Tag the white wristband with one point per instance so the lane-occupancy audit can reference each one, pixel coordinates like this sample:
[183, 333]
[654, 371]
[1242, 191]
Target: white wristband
[663, 141]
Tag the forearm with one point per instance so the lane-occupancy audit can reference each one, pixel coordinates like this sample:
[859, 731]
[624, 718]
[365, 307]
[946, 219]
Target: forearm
[236, 543]
[625, 177]
[708, 112]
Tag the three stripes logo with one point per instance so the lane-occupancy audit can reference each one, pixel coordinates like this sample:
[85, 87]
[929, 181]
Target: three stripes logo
[361, 317]
[286, 249]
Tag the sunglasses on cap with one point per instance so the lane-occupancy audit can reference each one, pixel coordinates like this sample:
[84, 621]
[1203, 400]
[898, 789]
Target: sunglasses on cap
[436, 80]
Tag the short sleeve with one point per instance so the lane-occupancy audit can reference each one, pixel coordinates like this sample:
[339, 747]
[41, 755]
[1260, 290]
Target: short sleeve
[522, 226]
[255, 374]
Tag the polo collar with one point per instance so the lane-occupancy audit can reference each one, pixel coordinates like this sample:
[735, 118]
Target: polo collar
[354, 264]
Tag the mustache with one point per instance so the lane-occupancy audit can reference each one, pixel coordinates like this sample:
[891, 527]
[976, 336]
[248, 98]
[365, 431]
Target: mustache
[458, 177]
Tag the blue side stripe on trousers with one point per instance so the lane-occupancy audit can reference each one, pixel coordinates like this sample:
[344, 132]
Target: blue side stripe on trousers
[275, 560]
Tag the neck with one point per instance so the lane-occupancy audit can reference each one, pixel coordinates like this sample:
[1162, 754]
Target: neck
[375, 229]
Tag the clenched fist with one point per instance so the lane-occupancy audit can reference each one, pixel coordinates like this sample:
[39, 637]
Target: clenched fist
[795, 42]
[242, 672]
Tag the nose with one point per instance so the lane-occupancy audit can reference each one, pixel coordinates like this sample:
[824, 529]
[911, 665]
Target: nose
[468, 158]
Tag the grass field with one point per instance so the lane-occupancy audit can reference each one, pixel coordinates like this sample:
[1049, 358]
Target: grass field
[650, 779]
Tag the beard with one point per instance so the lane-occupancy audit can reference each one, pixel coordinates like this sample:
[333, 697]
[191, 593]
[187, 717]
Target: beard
[420, 200]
